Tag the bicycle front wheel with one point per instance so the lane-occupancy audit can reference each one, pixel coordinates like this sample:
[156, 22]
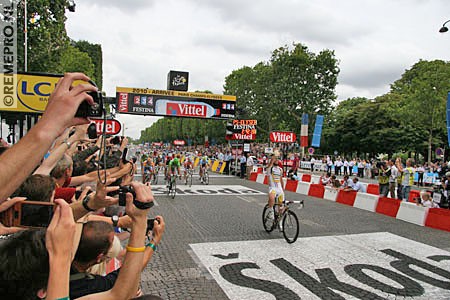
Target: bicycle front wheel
[173, 190]
[290, 227]
[206, 178]
[268, 223]
[155, 178]
[190, 180]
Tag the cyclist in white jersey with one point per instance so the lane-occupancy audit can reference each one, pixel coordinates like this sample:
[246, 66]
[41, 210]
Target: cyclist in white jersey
[276, 189]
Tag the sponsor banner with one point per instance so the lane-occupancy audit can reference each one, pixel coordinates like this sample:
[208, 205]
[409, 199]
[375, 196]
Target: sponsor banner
[112, 126]
[207, 190]
[317, 131]
[358, 266]
[32, 92]
[241, 130]
[283, 137]
[448, 118]
[175, 103]
[179, 142]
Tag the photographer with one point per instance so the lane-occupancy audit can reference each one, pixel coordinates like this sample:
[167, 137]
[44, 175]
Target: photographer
[383, 178]
[19, 161]
[95, 243]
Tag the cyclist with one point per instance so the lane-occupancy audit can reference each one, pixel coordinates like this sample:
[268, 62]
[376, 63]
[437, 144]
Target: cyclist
[187, 166]
[149, 167]
[204, 163]
[276, 190]
[175, 164]
[168, 159]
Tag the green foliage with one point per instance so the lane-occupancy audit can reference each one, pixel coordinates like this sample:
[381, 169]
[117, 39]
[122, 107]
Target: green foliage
[73, 60]
[95, 53]
[406, 119]
[47, 36]
[278, 92]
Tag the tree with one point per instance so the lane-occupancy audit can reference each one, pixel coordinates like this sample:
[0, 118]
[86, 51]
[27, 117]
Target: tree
[47, 36]
[423, 92]
[278, 92]
[73, 60]
[95, 53]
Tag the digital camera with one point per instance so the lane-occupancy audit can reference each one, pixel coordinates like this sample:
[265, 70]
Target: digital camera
[123, 190]
[85, 110]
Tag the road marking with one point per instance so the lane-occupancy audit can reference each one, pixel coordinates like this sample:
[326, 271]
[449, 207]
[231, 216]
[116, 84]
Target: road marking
[374, 265]
[207, 190]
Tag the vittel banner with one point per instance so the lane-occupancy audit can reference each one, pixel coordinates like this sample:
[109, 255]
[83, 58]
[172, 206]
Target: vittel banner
[283, 137]
[175, 103]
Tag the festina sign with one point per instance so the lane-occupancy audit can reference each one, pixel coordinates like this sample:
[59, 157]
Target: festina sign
[112, 126]
[283, 137]
[179, 142]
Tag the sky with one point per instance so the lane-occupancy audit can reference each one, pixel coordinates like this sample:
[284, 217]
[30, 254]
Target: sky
[375, 41]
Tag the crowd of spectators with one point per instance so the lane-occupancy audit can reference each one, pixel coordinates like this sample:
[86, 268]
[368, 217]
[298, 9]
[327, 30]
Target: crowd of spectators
[56, 164]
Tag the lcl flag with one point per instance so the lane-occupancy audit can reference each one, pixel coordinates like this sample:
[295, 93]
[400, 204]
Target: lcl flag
[304, 131]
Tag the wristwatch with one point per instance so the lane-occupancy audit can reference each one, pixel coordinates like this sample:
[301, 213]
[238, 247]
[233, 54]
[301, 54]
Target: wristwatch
[115, 220]
[85, 203]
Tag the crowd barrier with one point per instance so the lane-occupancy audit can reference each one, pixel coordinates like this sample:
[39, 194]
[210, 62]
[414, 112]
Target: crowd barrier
[406, 211]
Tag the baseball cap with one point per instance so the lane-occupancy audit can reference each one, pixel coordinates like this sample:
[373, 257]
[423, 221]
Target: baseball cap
[447, 174]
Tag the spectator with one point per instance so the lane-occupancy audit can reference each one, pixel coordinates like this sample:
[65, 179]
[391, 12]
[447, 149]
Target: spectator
[420, 172]
[426, 200]
[250, 164]
[357, 186]
[392, 178]
[243, 162]
[408, 179]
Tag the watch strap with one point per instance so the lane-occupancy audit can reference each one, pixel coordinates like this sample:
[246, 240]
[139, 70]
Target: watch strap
[85, 203]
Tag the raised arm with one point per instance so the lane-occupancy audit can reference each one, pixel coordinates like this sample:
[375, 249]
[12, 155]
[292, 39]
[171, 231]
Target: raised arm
[18, 162]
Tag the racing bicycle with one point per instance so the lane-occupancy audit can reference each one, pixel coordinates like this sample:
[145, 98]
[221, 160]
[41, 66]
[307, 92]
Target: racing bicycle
[188, 176]
[172, 186]
[205, 177]
[284, 218]
[155, 175]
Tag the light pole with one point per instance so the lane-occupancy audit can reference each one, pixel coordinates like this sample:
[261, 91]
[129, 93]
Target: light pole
[444, 28]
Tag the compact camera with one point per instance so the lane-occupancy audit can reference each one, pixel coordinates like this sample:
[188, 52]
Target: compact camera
[31, 214]
[150, 224]
[123, 190]
[85, 110]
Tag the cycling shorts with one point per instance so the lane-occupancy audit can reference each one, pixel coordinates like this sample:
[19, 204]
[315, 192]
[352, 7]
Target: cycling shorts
[278, 192]
[148, 168]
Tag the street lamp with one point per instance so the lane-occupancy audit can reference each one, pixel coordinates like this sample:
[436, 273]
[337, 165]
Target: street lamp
[444, 28]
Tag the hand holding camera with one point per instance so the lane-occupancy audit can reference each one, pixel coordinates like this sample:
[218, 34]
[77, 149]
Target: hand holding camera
[156, 227]
[138, 204]
[63, 103]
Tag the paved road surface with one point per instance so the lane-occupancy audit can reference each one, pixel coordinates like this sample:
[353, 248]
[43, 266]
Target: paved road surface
[215, 247]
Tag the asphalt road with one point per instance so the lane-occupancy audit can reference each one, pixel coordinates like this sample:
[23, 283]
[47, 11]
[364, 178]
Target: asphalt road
[215, 247]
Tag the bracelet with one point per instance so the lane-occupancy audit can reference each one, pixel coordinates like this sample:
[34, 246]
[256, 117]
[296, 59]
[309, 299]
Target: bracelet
[151, 245]
[85, 203]
[134, 249]
[63, 298]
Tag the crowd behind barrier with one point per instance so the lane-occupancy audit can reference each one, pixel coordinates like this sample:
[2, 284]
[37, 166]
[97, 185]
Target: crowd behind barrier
[369, 200]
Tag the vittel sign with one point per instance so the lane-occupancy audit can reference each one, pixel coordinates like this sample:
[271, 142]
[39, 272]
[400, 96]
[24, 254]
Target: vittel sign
[112, 126]
[283, 137]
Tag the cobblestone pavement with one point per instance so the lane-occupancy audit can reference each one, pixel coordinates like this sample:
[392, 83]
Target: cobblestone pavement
[176, 272]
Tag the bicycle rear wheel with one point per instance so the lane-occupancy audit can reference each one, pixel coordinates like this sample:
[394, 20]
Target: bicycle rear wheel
[290, 226]
[173, 190]
[268, 223]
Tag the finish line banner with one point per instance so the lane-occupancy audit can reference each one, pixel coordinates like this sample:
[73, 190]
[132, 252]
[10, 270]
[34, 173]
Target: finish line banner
[174, 103]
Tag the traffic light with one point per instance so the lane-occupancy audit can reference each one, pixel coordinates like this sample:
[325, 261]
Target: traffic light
[229, 131]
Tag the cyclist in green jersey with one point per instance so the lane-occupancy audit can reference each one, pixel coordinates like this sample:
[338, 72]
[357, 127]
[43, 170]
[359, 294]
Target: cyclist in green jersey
[175, 164]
